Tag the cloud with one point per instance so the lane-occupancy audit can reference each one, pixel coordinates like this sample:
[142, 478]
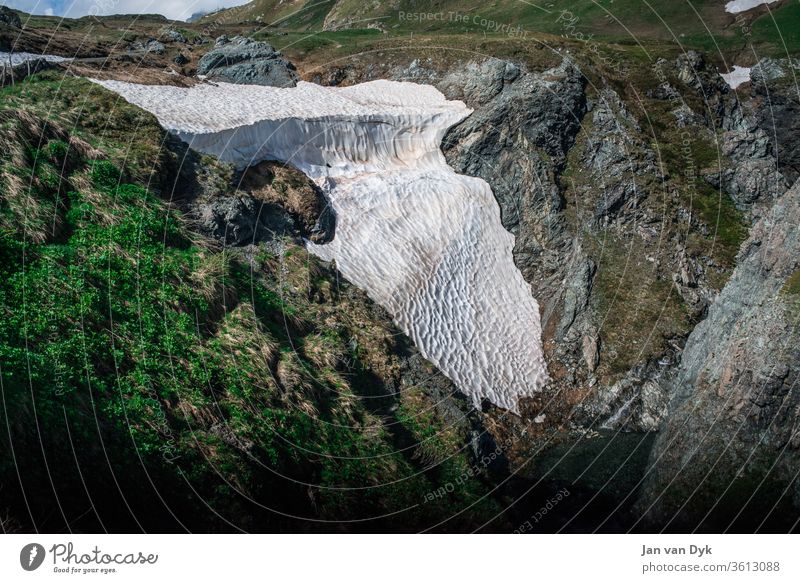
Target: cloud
[172, 9]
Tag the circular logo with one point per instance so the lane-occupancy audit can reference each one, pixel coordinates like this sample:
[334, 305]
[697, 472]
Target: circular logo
[31, 556]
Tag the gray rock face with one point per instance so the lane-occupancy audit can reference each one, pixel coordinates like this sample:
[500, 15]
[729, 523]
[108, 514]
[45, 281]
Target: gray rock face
[477, 83]
[779, 118]
[172, 35]
[615, 157]
[9, 18]
[766, 70]
[760, 147]
[753, 176]
[736, 408]
[693, 71]
[517, 140]
[247, 62]
[149, 46]
[242, 220]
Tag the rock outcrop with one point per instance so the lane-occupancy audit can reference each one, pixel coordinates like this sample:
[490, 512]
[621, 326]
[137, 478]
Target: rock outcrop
[17, 72]
[733, 426]
[149, 46]
[9, 18]
[247, 62]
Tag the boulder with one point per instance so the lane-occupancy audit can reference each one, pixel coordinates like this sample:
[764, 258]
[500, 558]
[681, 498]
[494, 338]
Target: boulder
[247, 62]
[149, 46]
[172, 35]
[242, 220]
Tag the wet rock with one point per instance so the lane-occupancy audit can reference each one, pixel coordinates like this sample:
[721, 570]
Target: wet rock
[245, 61]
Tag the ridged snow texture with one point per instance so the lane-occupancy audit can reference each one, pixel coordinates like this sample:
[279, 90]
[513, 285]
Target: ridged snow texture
[424, 242]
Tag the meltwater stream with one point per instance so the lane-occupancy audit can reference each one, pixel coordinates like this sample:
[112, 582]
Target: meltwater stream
[424, 242]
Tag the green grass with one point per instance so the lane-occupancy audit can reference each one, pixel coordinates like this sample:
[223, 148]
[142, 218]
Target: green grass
[725, 221]
[123, 324]
[639, 310]
[792, 285]
[303, 43]
[779, 30]
[624, 22]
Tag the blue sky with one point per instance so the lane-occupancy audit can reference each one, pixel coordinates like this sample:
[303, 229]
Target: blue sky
[174, 9]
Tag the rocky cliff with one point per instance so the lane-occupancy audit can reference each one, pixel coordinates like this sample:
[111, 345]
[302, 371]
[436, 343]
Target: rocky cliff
[631, 205]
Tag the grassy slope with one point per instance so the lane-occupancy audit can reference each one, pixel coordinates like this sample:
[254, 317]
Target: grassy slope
[699, 24]
[143, 354]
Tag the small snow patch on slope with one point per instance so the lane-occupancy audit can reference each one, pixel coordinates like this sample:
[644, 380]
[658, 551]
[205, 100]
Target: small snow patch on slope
[424, 242]
[737, 6]
[737, 76]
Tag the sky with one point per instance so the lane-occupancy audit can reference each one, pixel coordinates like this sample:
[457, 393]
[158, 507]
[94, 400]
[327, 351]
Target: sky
[172, 9]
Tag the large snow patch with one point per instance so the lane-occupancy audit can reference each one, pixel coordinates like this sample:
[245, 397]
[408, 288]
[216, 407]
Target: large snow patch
[423, 241]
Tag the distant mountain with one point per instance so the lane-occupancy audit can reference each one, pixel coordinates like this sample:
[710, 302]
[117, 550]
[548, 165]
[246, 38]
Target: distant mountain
[628, 21]
[197, 16]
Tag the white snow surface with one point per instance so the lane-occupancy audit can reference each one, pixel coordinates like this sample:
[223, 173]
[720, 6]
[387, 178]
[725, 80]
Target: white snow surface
[16, 58]
[737, 6]
[424, 242]
[737, 76]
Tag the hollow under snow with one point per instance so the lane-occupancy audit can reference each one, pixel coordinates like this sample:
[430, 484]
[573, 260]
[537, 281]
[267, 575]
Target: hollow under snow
[15, 58]
[424, 242]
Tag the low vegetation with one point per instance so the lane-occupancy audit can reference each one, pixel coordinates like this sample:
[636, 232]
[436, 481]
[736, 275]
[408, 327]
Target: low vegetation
[141, 361]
